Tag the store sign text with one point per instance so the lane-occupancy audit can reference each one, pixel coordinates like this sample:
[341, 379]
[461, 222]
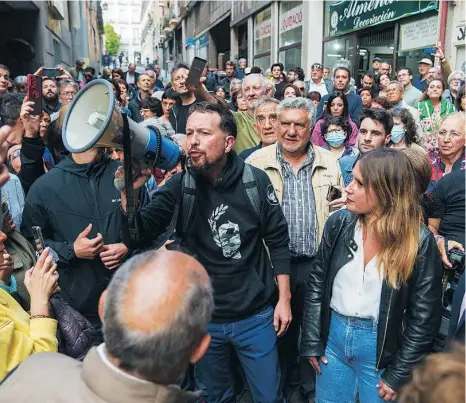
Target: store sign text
[460, 33]
[291, 19]
[351, 15]
[263, 30]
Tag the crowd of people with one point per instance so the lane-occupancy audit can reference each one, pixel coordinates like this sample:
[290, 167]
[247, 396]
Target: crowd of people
[308, 247]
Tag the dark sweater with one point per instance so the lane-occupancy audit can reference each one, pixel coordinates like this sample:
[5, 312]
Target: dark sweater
[354, 106]
[226, 237]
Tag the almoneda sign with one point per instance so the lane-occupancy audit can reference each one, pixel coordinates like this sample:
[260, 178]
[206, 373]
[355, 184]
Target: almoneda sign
[351, 15]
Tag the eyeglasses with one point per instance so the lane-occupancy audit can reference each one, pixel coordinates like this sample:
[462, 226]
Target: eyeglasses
[402, 75]
[454, 135]
[392, 90]
[6, 77]
[69, 94]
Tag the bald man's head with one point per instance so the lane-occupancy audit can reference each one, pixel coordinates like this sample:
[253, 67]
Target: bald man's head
[155, 314]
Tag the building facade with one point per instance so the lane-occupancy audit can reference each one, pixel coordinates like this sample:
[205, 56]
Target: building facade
[300, 33]
[49, 33]
[125, 17]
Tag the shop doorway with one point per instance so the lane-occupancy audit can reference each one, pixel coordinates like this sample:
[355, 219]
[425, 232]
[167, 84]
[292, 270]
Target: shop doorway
[375, 44]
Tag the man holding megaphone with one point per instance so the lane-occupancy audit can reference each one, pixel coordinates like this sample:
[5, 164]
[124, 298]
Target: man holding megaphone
[225, 210]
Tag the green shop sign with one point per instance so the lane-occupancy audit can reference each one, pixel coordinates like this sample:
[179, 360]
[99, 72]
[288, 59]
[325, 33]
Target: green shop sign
[351, 15]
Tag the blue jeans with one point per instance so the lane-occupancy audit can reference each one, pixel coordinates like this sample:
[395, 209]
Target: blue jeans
[255, 342]
[351, 353]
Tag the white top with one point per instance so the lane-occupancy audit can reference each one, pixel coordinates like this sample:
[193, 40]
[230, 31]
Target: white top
[321, 87]
[130, 78]
[356, 290]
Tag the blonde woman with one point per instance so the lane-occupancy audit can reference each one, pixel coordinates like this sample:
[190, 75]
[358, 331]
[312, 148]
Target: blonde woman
[374, 297]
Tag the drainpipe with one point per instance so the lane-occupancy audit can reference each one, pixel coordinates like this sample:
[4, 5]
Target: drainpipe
[443, 22]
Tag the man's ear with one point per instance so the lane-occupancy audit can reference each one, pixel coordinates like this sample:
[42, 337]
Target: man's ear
[229, 143]
[201, 349]
[102, 305]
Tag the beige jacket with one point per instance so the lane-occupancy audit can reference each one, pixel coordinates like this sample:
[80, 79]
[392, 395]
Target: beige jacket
[53, 377]
[325, 173]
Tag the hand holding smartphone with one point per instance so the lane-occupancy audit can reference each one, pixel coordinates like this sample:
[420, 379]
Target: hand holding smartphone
[34, 93]
[195, 72]
[51, 72]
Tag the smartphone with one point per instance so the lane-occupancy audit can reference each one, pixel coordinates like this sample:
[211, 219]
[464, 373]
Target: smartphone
[38, 240]
[49, 72]
[333, 194]
[195, 72]
[34, 93]
[430, 51]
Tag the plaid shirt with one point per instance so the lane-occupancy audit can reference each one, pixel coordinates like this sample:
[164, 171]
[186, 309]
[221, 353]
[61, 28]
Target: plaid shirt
[299, 206]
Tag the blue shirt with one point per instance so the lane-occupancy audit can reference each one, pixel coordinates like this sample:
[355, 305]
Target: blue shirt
[419, 83]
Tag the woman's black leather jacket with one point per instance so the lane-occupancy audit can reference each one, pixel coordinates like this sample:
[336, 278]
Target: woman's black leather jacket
[409, 316]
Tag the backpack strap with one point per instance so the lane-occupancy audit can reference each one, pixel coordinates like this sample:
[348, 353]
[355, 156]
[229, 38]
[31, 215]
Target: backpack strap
[250, 185]
[189, 201]
[189, 196]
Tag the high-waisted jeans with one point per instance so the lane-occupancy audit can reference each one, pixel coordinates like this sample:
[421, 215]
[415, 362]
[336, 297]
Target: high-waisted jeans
[351, 370]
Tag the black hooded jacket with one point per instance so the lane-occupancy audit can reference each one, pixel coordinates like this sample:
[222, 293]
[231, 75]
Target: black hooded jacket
[63, 203]
[226, 236]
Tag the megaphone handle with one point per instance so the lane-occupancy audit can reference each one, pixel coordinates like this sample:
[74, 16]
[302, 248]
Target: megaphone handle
[130, 202]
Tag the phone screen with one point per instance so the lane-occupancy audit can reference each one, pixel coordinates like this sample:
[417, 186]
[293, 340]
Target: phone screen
[195, 72]
[51, 72]
[38, 240]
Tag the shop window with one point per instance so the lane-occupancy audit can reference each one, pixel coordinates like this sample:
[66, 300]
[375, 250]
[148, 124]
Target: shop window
[290, 58]
[263, 31]
[338, 52]
[291, 19]
[263, 62]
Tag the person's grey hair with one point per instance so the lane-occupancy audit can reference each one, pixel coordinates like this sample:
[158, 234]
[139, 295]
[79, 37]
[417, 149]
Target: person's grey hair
[266, 84]
[454, 115]
[65, 83]
[236, 81]
[162, 354]
[299, 103]
[453, 74]
[398, 84]
[262, 102]
[20, 80]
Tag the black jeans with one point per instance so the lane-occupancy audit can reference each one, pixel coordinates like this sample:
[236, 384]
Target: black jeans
[296, 371]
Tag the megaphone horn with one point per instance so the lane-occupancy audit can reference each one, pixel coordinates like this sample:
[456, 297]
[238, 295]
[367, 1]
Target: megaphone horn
[94, 119]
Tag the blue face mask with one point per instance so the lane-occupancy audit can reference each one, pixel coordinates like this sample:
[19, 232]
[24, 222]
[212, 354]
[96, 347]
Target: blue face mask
[335, 138]
[398, 132]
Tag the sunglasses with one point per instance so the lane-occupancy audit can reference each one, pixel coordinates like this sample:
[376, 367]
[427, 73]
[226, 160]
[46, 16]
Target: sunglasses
[317, 67]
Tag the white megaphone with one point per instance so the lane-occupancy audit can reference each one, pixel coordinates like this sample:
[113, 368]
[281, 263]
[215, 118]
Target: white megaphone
[94, 119]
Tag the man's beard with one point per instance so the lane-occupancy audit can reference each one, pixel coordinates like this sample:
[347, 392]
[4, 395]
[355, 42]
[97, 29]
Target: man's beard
[200, 169]
[51, 99]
